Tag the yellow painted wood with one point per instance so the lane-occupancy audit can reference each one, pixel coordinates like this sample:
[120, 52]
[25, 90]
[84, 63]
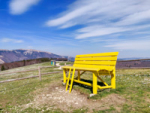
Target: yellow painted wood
[112, 63]
[64, 76]
[93, 67]
[81, 68]
[68, 80]
[104, 73]
[102, 80]
[104, 87]
[96, 59]
[72, 80]
[89, 84]
[94, 83]
[78, 74]
[113, 79]
[89, 68]
[99, 54]
[99, 64]
[82, 82]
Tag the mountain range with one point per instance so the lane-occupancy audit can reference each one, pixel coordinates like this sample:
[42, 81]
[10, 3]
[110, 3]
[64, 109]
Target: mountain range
[7, 56]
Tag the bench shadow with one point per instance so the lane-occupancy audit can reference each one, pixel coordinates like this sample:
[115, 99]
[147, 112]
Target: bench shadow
[88, 87]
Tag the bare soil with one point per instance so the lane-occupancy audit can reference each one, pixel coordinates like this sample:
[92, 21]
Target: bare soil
[56, 97]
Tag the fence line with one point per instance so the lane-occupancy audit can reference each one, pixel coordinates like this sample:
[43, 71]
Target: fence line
[10, 80]
[51, 72]
[18, 71]
[26, 70]
[40, 74]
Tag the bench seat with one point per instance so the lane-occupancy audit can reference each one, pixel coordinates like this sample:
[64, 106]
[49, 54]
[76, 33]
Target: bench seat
[89, 69]
[98, 63]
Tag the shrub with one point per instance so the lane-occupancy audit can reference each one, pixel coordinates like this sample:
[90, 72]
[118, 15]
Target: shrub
[2, 68]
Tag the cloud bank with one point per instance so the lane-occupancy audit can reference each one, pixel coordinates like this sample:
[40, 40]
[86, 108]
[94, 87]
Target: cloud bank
[97, 18]
[131, 45]
[103, 16]
[18, 7]
[5, 40]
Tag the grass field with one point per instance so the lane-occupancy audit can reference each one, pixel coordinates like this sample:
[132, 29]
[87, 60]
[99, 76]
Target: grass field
[132, 93]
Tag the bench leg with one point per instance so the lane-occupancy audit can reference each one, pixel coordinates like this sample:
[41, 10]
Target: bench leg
[64, 76]
[113, 79]
[72, 78]
[78, 74]
[94, 83]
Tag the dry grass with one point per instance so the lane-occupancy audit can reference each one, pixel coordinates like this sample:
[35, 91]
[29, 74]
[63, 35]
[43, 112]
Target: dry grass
[132, 93]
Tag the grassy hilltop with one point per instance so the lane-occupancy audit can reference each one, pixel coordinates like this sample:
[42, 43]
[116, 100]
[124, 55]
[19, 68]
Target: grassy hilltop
[132, 93]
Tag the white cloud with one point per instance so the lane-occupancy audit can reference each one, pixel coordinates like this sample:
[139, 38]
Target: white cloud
[5, 40]
[71, 15]
[101, 17]
[20, 6]
[100, 32]
[94, 31]
[135, 18]
[131, 45]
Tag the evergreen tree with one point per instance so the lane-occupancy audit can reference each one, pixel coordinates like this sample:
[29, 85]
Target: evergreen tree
[2, 68]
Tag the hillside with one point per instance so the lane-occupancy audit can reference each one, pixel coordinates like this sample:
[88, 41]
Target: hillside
[25, 54]
[132, 93]
[141, 63]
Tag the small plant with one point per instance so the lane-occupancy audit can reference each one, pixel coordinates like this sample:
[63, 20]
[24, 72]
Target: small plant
[2, 68]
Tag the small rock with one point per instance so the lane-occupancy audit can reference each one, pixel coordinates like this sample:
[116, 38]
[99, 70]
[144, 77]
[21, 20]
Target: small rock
[76, 103]
[91, 95]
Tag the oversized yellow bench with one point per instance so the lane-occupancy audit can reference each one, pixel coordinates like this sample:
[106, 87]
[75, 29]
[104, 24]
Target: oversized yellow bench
[98, 64]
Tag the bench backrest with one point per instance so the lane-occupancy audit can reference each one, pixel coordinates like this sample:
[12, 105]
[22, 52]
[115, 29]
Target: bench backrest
[96, 60]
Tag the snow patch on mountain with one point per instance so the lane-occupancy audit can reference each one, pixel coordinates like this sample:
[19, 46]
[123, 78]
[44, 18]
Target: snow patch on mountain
[28, 52]
[1, 61]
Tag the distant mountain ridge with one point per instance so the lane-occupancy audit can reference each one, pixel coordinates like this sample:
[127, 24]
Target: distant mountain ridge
[134, 58]
[7, 56]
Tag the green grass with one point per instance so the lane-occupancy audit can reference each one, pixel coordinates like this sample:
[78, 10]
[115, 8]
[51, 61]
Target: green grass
[131, 84]
[67, 63]
[21, 92]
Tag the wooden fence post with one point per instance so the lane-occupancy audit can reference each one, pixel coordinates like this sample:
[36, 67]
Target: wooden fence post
[39, 73]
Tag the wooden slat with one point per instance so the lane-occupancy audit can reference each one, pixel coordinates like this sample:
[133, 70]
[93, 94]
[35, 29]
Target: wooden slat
[96, 62]
[99, 54]
[89, 68]
[103, 87]
[94, 66]
[96, 58]
[81, 68]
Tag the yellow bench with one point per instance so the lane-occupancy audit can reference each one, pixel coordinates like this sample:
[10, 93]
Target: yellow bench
[98, 64]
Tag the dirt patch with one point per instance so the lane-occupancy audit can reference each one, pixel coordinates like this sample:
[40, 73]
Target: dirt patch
[113, 99]
[147, 97]
[58, 97]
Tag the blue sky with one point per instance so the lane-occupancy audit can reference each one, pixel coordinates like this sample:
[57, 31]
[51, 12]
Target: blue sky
[71, 27]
